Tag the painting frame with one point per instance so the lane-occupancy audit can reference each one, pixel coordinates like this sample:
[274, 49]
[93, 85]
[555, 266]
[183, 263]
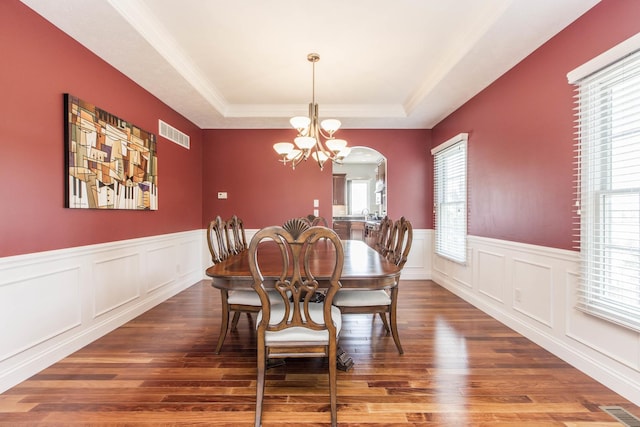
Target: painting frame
[110, 163]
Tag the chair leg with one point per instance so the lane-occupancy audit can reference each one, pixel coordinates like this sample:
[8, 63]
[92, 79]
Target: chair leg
[224, 321]
[260, 384]
[393, 318]
[234, 322]
[383, 316]
[333, 388]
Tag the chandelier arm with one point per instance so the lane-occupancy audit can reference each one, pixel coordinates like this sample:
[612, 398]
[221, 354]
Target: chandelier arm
[325, 150]
[296, 160]
[325, 135]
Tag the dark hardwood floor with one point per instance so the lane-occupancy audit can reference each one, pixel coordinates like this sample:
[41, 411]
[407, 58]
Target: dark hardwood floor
[460, 368]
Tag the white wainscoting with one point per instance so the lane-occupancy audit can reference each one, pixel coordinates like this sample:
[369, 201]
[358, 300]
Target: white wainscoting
[54, 303]
[532, 289]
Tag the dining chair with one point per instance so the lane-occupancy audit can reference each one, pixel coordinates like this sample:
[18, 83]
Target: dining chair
[216, 240]
[400, 241]
[297, 327]
[383, 235]
[220, 237]
[297, 225]
[391, 240]
[320, 220]
[384, 302]
[236, 236]
[304, 219]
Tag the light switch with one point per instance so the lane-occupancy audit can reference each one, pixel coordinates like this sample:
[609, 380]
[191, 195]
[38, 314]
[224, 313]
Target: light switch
[316, 212]
[222, 194]
[316, 203]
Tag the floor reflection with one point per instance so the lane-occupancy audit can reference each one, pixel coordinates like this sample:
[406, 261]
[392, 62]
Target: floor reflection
[451, 370]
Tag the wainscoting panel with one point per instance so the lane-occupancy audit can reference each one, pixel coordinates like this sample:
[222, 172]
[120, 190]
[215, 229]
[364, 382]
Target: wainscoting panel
[37, 308]
[459, 273]
[53, 303]
[491, 274]
[614, 341]
[190, 256]
[161, 270]
[532, 289]
[418, 265]
[116, 281]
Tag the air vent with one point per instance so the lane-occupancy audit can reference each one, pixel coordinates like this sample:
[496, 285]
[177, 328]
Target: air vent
[173, 134]
[621, 414]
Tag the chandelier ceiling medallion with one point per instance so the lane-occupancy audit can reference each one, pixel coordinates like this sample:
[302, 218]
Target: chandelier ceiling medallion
[309, 143]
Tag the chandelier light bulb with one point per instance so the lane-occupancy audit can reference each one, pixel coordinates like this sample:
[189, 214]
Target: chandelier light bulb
[330, 125]
[344, 152]
[319, 156]
[293, 154]
[336, 145]
[283, 148]
[301, 123]
[305, 142]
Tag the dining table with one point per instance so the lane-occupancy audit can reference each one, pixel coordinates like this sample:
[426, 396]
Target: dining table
[363, 268]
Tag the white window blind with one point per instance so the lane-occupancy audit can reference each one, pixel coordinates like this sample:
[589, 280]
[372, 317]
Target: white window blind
[450, 198]
[608, 186]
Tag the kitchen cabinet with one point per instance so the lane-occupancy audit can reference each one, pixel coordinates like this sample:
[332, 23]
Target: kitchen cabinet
[356, 230]
[381, 186]
[340, 189]
[342, 229]
[381, 172]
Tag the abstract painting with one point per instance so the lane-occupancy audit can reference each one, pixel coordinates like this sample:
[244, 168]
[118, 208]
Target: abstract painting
[111, 163]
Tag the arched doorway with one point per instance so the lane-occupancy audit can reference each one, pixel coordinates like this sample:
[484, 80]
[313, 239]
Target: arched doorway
[363, 173]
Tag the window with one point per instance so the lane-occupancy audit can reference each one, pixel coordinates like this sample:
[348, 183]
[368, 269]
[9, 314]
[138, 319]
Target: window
[359, 197]
[450, 198]
[608, 158]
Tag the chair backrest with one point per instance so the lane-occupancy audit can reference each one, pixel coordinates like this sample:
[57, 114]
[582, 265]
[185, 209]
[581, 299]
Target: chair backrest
[400, 241]
[235, 234]
[242, 236]
[320, 220]
[296, 225]
[217, 240]
[383, 235]
[296, 283]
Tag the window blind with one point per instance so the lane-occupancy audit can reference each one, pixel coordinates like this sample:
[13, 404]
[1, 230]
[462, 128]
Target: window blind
[450, 198]
[608, 187]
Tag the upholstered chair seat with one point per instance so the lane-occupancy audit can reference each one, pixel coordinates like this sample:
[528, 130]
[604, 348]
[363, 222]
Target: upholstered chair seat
[251, 298]
[358, 298]
[300, 333]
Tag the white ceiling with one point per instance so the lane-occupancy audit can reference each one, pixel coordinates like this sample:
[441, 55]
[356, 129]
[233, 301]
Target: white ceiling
[403, 64]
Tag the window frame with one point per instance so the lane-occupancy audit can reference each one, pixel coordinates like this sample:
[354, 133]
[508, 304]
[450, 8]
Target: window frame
[451, 174]
[609, 229]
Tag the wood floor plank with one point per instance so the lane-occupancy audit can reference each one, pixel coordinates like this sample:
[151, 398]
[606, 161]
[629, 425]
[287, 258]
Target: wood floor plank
[460, 368]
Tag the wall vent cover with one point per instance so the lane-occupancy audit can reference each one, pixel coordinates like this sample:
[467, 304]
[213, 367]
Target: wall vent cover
[173, 134]
[622, 415]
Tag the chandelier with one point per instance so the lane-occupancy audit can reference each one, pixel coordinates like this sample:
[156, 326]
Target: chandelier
[311, 132]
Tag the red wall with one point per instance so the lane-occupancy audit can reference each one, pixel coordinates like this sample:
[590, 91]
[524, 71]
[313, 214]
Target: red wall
[264, 192]
[521, 131]
[520, 147]
[39, 65]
